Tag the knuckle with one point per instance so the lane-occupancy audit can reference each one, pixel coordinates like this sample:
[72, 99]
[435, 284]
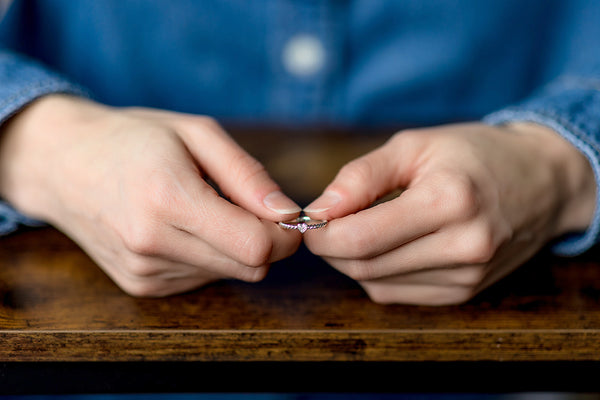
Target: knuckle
[381, 297]
[253, 275]
[202, 122]
[411, 141]
[455, 195]
[142, 239]
[142, 233]
[360, 241]
[255, 250]
[461, 197]
[245, 168]
[478, 247]
[143, 288]
[469, 277]
[200, 125]
[138, 267]
[406, 136]
[360, 271]
[358, 172]
[208, 122]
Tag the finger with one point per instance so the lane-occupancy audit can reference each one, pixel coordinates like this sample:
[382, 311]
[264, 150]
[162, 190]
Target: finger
[285, 242]
[426, 295]
[417, 212]
[418, 255]
[175, 277]
[509, 257]
[357, 185]
[187, 247]
[469, 276]
[362, 181]
[239, 175]
[237, 233]
[162, 286]
[189, 204]
[182, 248]
[468, 244]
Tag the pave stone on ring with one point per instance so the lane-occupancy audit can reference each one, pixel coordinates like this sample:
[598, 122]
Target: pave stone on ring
[303, 224]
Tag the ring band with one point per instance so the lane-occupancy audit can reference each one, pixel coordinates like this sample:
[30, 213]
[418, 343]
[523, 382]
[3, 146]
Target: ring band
[303, 224]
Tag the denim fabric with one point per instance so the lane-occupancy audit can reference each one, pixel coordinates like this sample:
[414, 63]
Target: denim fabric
[22, 81]
[572, 108]
[386, 62]
[11, 220]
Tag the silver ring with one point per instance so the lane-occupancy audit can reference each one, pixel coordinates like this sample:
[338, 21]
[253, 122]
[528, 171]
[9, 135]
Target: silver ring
[303, 224]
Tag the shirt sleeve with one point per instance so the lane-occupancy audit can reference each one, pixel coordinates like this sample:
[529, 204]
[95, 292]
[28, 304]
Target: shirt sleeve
[570, 105]
[568, 98]
[22, 81]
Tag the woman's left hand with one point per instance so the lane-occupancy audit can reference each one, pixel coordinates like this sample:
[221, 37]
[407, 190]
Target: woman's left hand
[477, 201]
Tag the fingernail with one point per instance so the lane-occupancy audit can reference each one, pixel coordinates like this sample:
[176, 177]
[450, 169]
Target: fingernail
[280, 203]
[327, 200]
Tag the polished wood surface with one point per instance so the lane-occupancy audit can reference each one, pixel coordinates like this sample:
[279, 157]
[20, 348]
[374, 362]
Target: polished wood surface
[57, 305]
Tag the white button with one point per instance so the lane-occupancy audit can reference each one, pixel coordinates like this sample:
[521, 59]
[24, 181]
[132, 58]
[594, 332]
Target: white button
[303, 55]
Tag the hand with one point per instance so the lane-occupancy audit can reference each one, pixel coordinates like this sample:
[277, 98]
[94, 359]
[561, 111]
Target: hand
[477, 202]
[127, 185]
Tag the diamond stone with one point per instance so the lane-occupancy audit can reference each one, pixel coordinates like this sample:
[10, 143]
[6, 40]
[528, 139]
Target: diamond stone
[303, 227]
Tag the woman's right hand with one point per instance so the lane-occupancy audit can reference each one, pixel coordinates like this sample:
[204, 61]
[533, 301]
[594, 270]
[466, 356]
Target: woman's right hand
[128, 185]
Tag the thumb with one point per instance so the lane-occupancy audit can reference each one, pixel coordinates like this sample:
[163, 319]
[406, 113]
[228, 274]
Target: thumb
[358, 184]
[240, 176]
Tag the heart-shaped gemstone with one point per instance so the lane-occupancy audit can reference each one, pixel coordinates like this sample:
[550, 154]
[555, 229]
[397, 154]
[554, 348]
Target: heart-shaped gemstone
[303, 227]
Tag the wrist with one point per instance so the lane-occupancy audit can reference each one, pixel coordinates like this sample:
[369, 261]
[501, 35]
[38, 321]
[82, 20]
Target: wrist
[30, 144]
[574, 183]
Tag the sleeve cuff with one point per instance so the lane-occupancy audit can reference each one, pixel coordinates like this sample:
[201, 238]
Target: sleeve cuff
[22, 81]
[11, 220]
[573, 111]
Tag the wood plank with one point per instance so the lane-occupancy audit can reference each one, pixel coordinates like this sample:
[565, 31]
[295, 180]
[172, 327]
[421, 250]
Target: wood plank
[301, 345]
[57, 305]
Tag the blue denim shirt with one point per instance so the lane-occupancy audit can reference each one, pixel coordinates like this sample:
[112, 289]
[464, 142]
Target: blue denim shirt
[360, 63]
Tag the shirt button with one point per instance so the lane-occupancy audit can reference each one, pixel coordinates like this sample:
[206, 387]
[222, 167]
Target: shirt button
[303, 55]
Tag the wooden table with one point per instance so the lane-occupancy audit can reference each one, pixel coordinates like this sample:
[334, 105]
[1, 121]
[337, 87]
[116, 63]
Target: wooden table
[65, 327]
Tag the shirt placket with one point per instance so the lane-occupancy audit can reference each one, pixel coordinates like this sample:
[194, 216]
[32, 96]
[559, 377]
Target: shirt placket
[305, 53]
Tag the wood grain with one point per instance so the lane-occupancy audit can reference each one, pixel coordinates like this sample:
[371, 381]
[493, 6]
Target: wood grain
[58, 306]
